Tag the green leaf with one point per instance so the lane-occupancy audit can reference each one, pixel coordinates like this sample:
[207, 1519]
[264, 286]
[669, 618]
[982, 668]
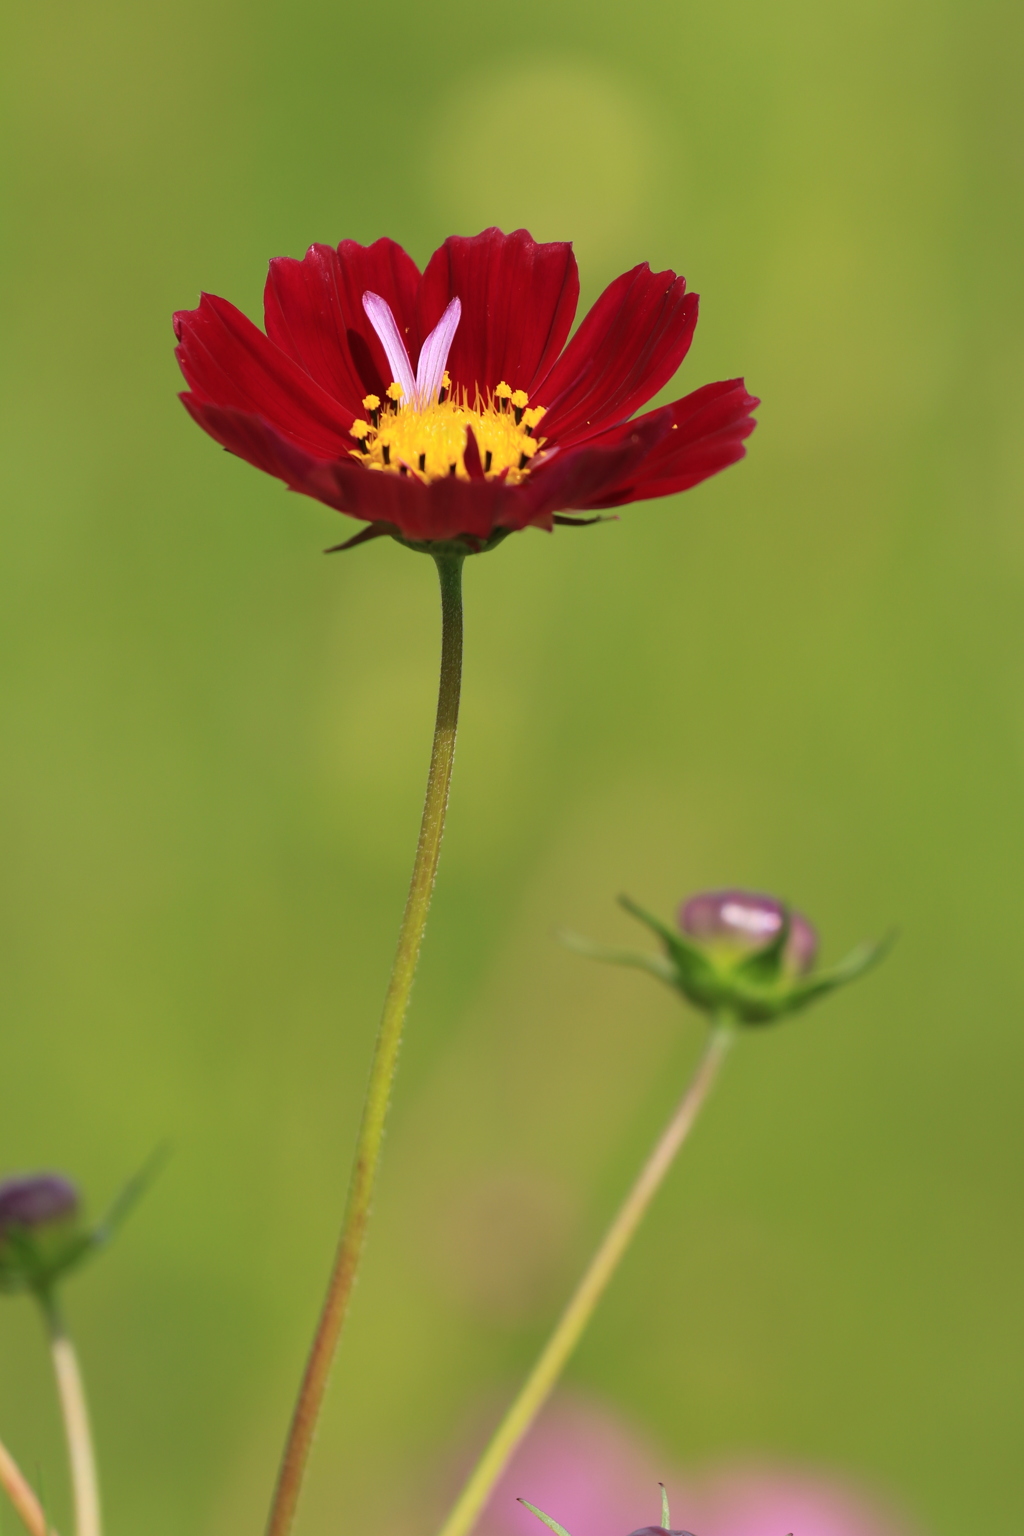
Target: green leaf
[552, 1525]
[666, 1519]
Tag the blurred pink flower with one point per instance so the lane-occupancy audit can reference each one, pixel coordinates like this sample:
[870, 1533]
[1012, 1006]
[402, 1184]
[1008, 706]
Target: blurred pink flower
[597, 1477]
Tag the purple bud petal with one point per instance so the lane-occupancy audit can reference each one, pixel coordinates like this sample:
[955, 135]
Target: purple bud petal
[745, 921]
[32, 1199]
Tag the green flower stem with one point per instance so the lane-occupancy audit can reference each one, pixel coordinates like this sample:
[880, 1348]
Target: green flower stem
[71, 1392]
[385, 1058]
[541, 1380]
[22, 1495]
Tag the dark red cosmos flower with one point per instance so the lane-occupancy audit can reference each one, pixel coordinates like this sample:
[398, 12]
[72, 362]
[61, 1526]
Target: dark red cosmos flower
[499, 424]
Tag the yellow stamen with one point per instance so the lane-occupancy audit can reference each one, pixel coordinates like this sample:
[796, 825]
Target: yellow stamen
[430, 443]
[371, 402]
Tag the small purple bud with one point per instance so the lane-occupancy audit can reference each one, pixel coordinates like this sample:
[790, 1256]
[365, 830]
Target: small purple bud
[34, 1199]
[745, 921]
[658, 1530]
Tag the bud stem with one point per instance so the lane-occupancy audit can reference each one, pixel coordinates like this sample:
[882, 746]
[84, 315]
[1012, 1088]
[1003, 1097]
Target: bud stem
[22, 1495]
[71, 1392]
[385, 1058]
[541, 1380]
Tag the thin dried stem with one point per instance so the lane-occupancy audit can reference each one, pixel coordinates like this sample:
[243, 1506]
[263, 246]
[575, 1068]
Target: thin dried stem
[22, 1495]
[541, 1380]
[71, 1392]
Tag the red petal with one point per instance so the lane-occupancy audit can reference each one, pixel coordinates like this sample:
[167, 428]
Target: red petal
[228, 361]
[518, 304]
[664, 451]
[442, 510]
[253, 439]
[580, 477]
[626, 348]
[706, 433]
[471, 461]
[314, 312]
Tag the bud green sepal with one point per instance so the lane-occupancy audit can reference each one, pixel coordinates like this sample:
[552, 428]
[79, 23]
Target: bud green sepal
[33, 1259]
[655, 965]
[856, 963]
[695, 973]
[551, 1524]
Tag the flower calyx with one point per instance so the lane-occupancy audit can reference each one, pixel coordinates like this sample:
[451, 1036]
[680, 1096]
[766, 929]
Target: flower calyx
[740, 955]
[464, 544]
[42, 1234]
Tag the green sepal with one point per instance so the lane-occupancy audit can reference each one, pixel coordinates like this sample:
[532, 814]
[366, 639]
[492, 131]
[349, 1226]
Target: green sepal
[764, 965]
[763, 1005]
[654, 964]
[552, 1525]
[695, 974]
[462, 545]
[857, 962]
[32, 1259]
[128, 1197]
[670, 937]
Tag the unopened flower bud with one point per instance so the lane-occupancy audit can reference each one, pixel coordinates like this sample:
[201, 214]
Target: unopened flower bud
[739, 955]
[39, 1232]
[739, 922]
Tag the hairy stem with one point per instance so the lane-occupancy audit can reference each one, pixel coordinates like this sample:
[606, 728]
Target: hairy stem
[71, 1392]
[22, 1495]
[385, 1059]
[541, 1380]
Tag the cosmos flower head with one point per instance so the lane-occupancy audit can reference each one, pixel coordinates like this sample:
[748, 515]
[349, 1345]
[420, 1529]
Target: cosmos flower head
[452, 405]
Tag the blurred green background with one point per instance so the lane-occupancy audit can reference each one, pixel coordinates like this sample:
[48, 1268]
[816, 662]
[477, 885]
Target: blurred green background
[804, 676]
